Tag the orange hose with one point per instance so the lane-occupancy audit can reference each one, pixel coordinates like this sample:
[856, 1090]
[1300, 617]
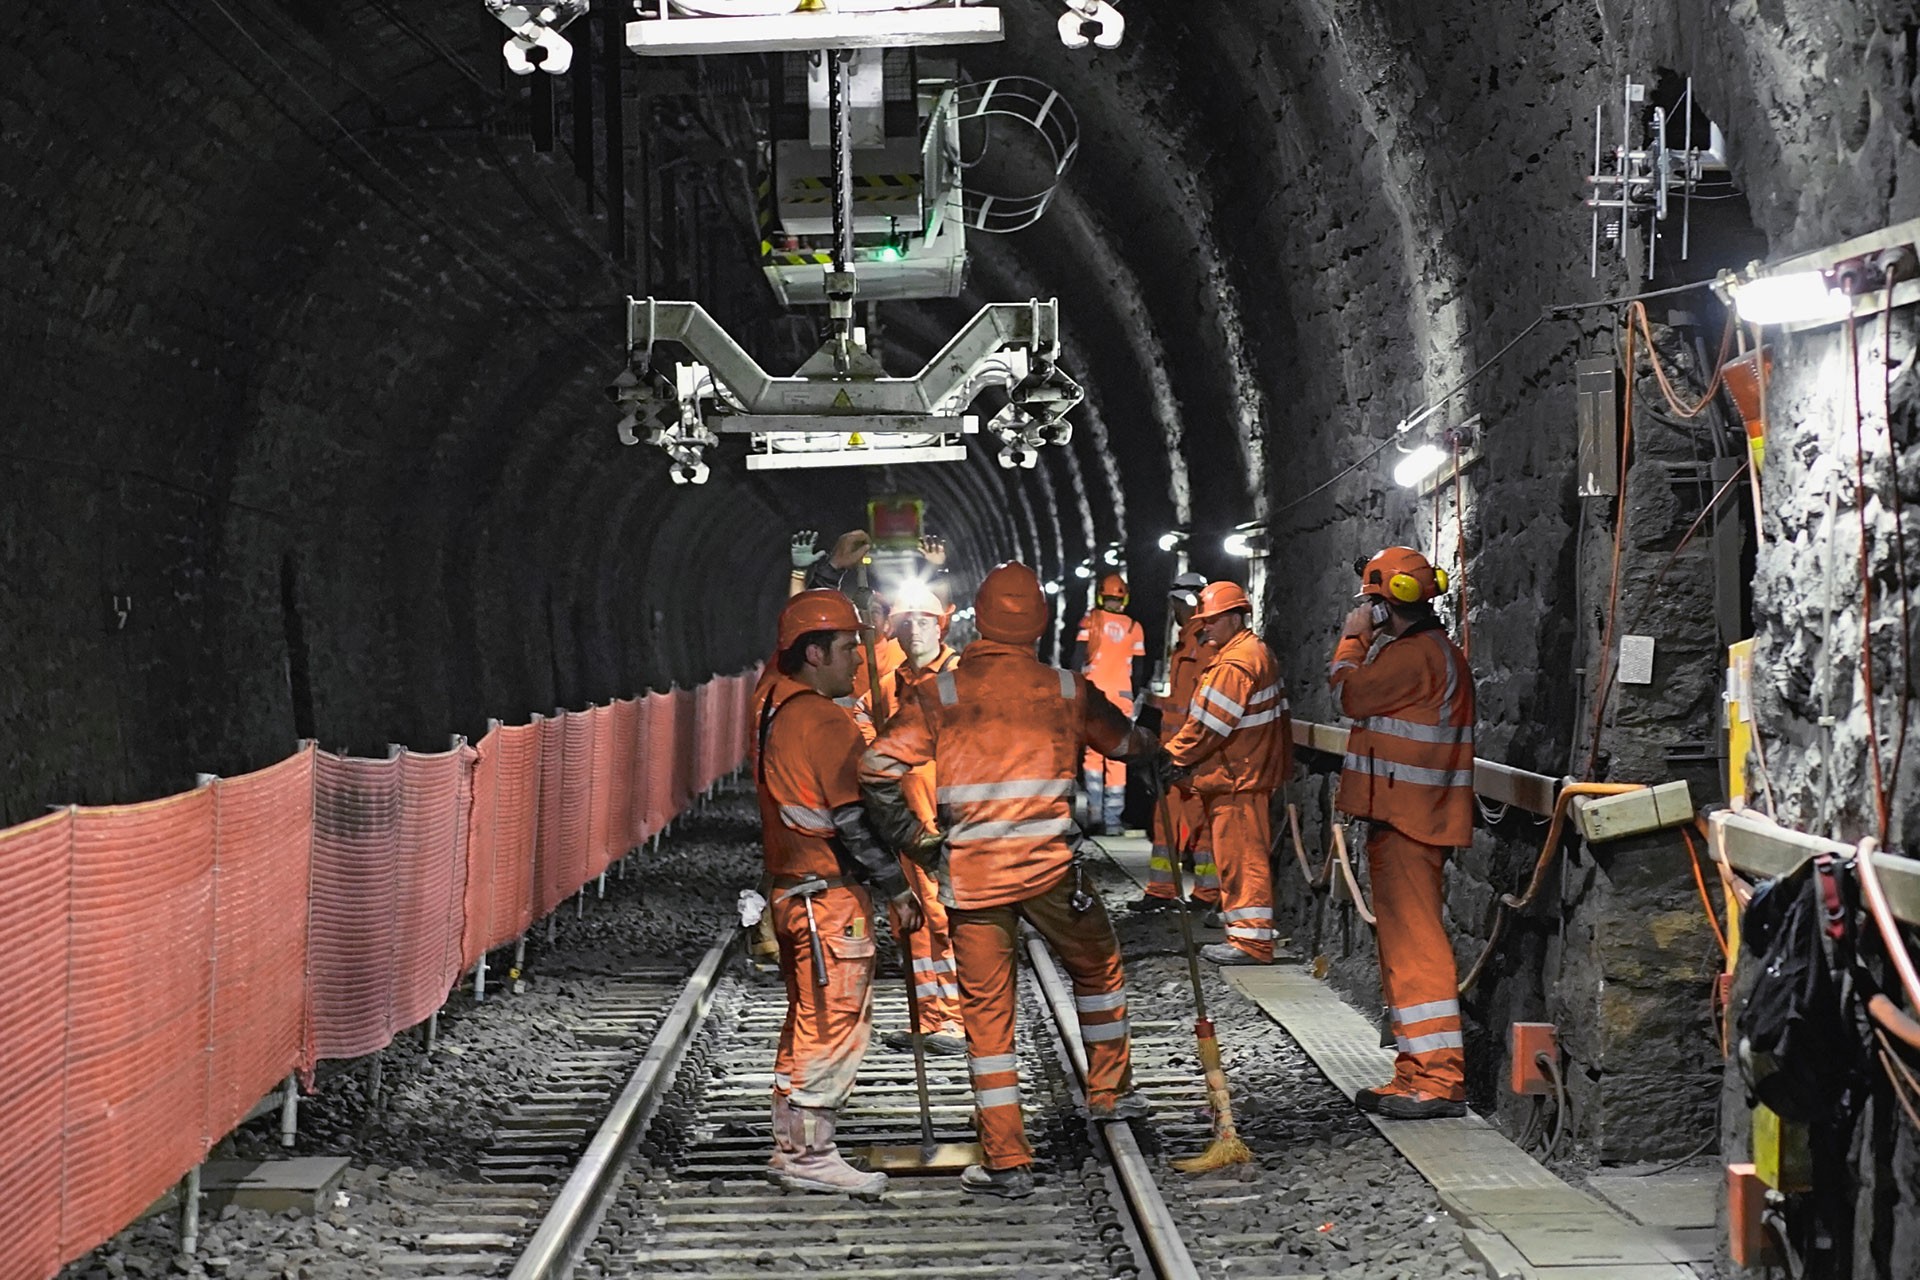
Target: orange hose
[1882, 912]
[1346, 873]
[1638, 311]
[1892, 1017]
[1700, 883]
[1507, 903]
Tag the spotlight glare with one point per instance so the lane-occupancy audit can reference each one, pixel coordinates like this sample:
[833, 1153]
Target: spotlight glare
[1800, 298]
[1236, 544]
[1168, 541]
[1418, 465]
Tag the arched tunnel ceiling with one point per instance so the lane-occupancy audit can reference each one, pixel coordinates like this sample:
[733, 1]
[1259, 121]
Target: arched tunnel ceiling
[314, 343]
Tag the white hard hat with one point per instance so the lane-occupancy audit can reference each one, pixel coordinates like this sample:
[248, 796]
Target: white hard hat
[1186, 588]
[914, 598]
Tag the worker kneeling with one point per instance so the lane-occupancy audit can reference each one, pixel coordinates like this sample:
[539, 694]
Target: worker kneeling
[1409, 772]
[1235, 749]
[1005, 733]
[822, 860]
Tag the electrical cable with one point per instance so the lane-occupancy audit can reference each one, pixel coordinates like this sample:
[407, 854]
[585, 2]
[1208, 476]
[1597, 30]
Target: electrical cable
[1688, 1158]
[1866, 581]
[1673, 556]
[1899, 524]
[1552, 1068]
[1563, 308]
[1700, 883]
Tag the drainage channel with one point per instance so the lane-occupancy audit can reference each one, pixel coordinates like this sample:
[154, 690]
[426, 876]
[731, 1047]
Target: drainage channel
[481, 1228]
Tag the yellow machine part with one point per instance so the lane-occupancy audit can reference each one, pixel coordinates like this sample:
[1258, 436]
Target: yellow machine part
[1780, 1154]
[1739, 719]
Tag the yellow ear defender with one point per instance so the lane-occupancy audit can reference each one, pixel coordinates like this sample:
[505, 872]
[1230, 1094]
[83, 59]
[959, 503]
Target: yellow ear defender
[1406, 588]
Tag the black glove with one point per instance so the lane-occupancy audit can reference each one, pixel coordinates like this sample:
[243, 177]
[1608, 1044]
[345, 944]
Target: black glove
[1163, 773]
[1149, 717]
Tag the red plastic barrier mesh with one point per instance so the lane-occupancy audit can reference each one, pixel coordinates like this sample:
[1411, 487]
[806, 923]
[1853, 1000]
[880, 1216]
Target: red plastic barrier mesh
[500, 840]
[356, 826]
[549, 870]
[34, 886]
[686, 736]
[576, 809]
[662, 723]
[263, 831]
[638, 830]
[600, 805]
[138, 973]
[429, 898]
[625, 726]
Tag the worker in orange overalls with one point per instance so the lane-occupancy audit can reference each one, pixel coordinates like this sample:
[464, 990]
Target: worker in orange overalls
[1108, 644]
[821, 859]
[919, 624]
[1006, 733]
[1237, 749]
[1187, 840]
[1409, 772]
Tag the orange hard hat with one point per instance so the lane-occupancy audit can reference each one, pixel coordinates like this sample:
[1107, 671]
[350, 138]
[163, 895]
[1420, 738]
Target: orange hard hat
[1217, 598]
[1402, 574]
[1010, 607]
[812, 611]
[1114, 585]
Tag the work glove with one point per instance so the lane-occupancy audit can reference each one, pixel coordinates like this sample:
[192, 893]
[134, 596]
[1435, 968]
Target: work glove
[801, 551]
[1164, 773]
[925, 849]
[903, 910]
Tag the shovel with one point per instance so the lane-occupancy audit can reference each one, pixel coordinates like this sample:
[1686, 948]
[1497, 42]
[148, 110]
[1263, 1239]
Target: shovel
[929, 1157]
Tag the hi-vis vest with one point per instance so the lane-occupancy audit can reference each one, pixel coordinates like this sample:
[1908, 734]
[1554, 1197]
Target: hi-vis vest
[1239, 730]
[1006, 733]
[1184, 666]
[1411, 765]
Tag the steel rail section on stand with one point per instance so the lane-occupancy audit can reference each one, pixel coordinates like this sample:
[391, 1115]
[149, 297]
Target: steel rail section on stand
[1152, 1218]
[577, 1210]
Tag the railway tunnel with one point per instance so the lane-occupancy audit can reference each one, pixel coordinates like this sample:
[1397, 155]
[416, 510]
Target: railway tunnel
[310, 312]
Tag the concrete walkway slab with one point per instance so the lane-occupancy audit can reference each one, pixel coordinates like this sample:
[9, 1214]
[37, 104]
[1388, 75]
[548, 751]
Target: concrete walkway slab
[1678, 1198]
[1522, 1221]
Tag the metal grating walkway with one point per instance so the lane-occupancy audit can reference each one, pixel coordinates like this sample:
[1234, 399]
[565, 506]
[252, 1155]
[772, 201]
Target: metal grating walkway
[1520, 1219]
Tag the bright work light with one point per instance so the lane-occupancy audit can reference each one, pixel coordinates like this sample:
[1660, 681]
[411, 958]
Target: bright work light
[1799, 298]
[1418, 465]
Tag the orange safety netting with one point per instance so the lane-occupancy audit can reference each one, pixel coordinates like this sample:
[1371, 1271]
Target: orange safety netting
[172, 961]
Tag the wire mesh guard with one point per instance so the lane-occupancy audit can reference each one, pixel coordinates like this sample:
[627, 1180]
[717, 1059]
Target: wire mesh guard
[1014, 130]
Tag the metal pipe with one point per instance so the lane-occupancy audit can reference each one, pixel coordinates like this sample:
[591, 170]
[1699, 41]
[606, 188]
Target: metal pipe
[190, 1213]
[600, 889]
[480, 979]
[290, 1110]
[582, 1202]
[430, 1032]
[1152, 1218]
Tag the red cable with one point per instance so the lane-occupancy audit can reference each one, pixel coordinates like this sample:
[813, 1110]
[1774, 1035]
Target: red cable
[1460, 555]
[1866, 575]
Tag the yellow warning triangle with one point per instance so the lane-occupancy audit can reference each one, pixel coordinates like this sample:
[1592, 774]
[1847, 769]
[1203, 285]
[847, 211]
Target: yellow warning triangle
[843, 401]
[855, 441]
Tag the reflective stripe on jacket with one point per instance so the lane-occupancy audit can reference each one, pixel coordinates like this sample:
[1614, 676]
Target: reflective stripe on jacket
[1184, 665]
[901, 686]
[1006, 733]
[1410, 753]
[1113, 641]
[1239, 730]
[808, 768]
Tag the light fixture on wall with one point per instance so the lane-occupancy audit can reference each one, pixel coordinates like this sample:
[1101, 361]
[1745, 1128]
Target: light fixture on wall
[1827, 285]
[1052, 588]
[1173, 539]
[1083, 570]
[1413, 469]
[1246, 540]
[1110, 557]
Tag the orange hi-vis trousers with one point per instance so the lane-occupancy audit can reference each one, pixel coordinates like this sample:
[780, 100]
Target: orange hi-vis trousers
[1241, 825]
[1105, 779]
[984, 944]
[930, 948]
[1187, 815]
[1417, 973]
[827, 1028]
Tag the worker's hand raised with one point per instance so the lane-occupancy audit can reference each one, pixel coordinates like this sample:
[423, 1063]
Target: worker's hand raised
[934, 551]
[1359, 622]
[849, 548]
[801, 550]
[904, 912]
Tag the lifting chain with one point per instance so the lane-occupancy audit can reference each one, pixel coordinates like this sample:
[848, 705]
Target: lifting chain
[842, 159]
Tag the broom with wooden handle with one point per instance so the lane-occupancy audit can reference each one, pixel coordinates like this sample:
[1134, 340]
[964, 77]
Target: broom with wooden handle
[1226, 1147]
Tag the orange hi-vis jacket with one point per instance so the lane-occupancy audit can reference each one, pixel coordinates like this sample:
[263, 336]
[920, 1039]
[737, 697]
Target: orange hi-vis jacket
[1006, 732]
[1239, 730]
[1410, 753]
[1113, 641]
[895, 693]
[1184, 665]
[808, 768]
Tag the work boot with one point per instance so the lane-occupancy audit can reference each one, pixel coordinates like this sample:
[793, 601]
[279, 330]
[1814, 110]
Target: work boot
[1226, 954]
[1131, 1105]
[1212, 919]
[942, 1043]
[1009, 1184]
[1148, 903]
[819, 1167]
[1368, 1100]
[1420, 1106]
[788, 1142]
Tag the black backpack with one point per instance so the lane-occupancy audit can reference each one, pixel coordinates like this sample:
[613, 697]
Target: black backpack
[1801, 1046]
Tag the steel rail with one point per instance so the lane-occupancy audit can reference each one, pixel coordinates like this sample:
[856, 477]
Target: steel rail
[577, 1211]
[1153, 1220]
